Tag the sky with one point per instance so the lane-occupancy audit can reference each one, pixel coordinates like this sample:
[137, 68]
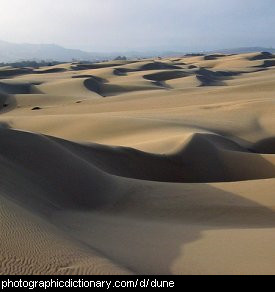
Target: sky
[139, 25]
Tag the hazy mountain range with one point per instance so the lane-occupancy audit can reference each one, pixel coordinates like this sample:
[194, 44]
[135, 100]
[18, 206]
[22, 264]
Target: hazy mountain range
[12, 52]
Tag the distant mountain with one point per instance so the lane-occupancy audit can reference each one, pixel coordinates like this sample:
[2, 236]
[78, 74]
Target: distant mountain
[11, 52]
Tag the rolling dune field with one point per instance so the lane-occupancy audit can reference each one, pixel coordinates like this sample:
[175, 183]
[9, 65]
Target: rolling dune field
[155, 166]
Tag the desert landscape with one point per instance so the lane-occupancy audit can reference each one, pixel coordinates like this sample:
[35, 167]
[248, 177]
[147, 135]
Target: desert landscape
[152, 166]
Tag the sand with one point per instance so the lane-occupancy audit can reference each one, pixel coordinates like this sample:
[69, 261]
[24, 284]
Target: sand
[139, 167]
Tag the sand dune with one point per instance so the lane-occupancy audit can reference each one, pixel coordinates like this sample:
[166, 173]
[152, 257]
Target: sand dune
[139, 167]
[7, 72]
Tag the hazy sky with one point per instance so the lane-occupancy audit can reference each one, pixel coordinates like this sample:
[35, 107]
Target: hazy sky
[111, 25]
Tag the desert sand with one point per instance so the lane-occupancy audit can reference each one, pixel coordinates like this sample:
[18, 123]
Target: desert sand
[162, 166]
